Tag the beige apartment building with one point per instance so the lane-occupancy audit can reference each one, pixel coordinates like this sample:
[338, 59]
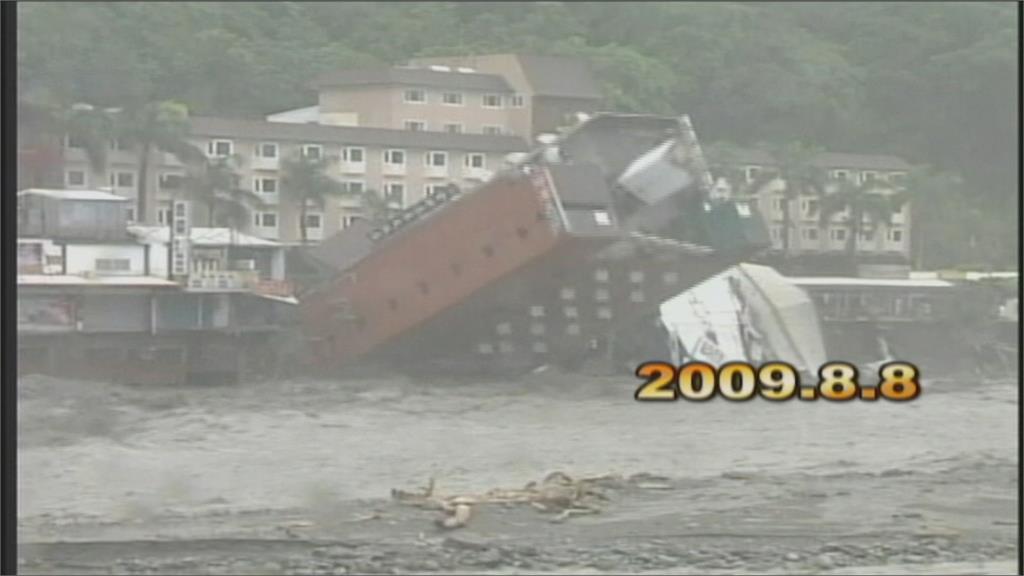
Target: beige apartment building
[807, 234]
[402, 166]
[489, 94]
[402, 131]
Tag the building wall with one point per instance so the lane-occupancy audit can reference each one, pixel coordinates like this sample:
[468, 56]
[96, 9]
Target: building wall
[81, 258]
[771, 204]
[114, 313]
[385, 107]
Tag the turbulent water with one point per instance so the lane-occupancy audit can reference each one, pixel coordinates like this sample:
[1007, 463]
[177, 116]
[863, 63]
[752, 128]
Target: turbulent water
[93, 452]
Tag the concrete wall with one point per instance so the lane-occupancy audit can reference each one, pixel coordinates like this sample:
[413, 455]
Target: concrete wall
[82, 258]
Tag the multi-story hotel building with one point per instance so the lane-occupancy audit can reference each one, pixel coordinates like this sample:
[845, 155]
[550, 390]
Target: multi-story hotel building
[402, 132]
[807, 233]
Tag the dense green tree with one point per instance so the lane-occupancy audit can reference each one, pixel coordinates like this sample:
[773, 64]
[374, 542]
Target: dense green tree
[933, 82]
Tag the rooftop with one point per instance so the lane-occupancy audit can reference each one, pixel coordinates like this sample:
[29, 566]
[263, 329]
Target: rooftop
[382, 137]
[409, 76]
[105, 281]
[561, 76]
[62, 194]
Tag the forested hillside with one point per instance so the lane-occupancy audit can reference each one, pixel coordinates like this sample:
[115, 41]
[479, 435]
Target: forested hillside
[935, 83]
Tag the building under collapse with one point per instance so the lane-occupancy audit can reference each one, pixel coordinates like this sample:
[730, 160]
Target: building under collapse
[562, 257]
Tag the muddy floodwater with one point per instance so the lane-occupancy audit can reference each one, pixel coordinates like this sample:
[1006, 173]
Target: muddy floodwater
[296, 477]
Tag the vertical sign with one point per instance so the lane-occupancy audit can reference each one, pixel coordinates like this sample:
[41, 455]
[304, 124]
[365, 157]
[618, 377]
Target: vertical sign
[181, 229]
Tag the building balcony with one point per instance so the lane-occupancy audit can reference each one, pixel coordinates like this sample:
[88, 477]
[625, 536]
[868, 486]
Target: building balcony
[222, 280]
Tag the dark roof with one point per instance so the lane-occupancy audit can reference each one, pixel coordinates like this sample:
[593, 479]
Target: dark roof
[345, 248]
[414, 77]
[323, 133]
[561, 76]
[580, 184]
[830, 160]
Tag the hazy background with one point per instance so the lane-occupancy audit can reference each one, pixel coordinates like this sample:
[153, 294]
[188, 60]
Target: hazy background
[934, 83]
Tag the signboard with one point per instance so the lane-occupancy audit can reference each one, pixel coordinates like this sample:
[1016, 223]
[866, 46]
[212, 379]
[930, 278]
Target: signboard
[181, 229]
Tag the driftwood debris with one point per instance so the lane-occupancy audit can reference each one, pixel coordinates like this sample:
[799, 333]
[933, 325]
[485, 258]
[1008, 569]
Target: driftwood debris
[557, 494]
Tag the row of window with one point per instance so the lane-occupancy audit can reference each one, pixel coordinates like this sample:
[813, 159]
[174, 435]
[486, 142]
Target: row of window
[855, 176]
[349, 154]
[893, 235]
[495, 101]
[452, 127]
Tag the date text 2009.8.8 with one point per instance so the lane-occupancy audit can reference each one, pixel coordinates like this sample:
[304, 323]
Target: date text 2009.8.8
[775, 381]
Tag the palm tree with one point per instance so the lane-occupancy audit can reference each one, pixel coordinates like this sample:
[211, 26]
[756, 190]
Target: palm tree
[865, 199]
[305, 181]
[44, 126]
[92, 129]
[215, 183]
[154, 126]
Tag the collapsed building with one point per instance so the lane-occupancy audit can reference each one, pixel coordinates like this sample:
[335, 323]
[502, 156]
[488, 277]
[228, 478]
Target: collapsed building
[562, 257]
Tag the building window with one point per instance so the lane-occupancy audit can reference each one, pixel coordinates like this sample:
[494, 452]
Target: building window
[453, 128]
[122, 179]
[415, 96]
[809, 234]
[493, 130]
[266, 150]
[751, 172]
[436, 159]
[841, 175]
[313, 151]
[394, 157]
[896, 236]
[315, 221]
[170, 181]
[220, 148]
[809, 207]
[353, 186]
[516, 100]
[475, 160]
[265, 185]
[452, 98]
[130, 211]
[75, 178]
[113, 264]
[353, 154]
[394, 194]
[868, 176]
[163, 216]
[431, 189]
[348, 220]
[492, 101]
[265, 219]
[119, 144]
[838, 234]
[73, 141]
[415, 125]
[777, 203]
